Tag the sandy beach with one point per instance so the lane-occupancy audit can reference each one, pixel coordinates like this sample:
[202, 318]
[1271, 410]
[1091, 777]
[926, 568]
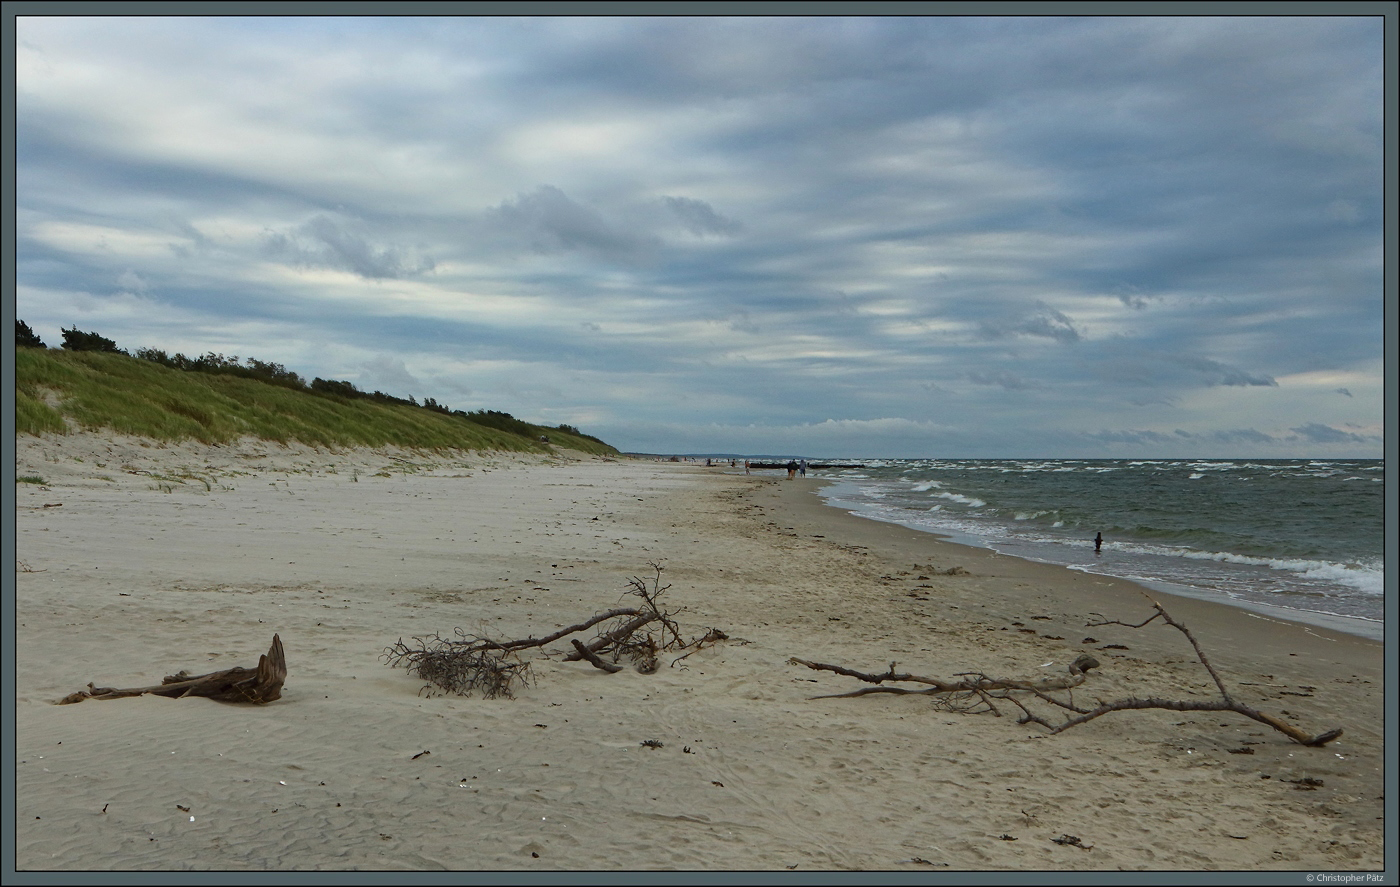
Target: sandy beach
[138, 559]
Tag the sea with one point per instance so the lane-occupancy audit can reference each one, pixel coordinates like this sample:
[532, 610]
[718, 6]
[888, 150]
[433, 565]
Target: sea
[1297, 538]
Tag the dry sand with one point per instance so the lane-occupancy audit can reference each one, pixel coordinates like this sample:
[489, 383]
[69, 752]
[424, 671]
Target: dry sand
[137, 560]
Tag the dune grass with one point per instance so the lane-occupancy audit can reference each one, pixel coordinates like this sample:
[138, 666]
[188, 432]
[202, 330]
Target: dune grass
[145, 399]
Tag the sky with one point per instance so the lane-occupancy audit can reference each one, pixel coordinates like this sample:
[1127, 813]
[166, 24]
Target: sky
[1073, 237]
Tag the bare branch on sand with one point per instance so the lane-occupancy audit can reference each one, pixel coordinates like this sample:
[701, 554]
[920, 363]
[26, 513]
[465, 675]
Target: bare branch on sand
[977, 692]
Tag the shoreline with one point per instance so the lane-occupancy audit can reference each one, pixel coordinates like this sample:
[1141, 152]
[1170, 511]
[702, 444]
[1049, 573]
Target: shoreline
[145, 558]
[1098, 589]
[1369, 629]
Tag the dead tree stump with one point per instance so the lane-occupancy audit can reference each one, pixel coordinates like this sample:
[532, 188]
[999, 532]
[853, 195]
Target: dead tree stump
[258, 685]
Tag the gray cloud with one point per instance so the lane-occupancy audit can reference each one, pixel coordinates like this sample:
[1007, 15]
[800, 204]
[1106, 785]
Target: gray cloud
[1216, 373]
[1042, 321]
[551, 221]
[1319, 433]
[1167, 372]
[1002, 378]
[1131, 296]
[322, 242]
[132, 282]
[388, 373]
[1242, 435]
[700, 218]
[1132, 437]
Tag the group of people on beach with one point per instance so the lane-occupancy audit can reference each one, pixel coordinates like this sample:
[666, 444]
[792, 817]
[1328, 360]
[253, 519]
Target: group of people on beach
[794, 467]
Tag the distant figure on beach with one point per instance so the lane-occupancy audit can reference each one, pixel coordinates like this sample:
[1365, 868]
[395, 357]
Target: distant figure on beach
[746, 466]
[792, 469]
[1098, 543]
[802, 468]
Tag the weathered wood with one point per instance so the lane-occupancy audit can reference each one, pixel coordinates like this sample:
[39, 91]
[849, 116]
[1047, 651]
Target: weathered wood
[257, 685]
[986, 689]
[1292, 732]
[486, 644]
[1078, 671]
[1227, 703]
[594, 658]
[475, 662]
[615, 635]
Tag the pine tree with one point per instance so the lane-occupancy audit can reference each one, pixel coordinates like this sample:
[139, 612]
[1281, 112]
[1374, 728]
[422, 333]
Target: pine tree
[25, 337]
[74, 340]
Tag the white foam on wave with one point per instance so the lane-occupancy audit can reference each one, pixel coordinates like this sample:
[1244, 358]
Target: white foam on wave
[961, 499]
[1368, 580]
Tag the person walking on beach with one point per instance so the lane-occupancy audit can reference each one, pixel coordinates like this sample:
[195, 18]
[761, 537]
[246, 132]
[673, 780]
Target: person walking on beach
[746, 466]
[802, 468]
[1098, 543]
[792, 469]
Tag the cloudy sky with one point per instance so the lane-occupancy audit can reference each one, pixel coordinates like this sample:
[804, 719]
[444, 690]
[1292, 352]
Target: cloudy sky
[1075, 237]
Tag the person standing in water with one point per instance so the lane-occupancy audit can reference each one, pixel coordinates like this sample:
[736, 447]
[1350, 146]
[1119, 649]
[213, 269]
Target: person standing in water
[1098, 543]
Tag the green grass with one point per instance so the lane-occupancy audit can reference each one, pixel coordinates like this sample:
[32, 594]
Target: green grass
[31, 479]
[139, 397]
[34, 417]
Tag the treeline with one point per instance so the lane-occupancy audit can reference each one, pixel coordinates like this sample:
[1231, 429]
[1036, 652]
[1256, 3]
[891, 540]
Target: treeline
[277, 374]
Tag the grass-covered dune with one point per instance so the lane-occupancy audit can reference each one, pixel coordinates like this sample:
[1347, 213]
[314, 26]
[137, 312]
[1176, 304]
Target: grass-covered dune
[142, 398]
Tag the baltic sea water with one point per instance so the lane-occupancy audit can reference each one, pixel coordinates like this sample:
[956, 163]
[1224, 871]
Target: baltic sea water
[1300, 538]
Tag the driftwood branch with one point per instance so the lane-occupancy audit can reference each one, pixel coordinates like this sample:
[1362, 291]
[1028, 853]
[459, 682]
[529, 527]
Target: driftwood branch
[592, 657]
[257, 685]
[1298, 736]
[607, 639]
[627, 639]
[979, 687]
[487, 644]
[1166, 617]
[478, 663]
[650, 597]
[1225, 703]
[972, 683]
